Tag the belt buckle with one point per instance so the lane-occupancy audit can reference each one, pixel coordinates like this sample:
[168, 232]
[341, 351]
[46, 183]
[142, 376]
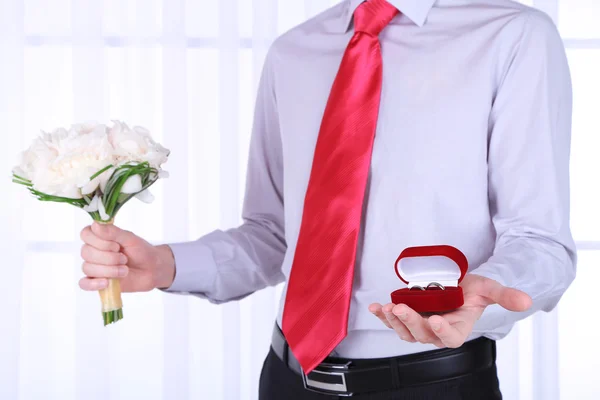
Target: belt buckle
[334, 379]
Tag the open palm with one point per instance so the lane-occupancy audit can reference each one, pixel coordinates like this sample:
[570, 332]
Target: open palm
[451, 329]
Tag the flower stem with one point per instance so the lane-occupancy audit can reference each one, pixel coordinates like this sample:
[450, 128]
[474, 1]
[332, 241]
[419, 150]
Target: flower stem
[112, 316]
[112, 305]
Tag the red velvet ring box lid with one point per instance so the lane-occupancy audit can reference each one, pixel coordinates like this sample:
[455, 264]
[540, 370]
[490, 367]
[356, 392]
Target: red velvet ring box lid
[425, 265]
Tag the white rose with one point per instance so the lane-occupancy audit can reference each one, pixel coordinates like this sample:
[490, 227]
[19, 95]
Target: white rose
[61, 163]
[39, 155]
[136, 145]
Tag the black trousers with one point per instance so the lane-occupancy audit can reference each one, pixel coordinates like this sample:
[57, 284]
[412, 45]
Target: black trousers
[278, 382]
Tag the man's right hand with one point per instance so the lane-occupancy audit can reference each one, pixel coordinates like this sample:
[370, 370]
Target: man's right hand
[110, 252]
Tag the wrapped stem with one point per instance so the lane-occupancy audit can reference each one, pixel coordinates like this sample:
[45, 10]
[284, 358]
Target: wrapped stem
[112, 304]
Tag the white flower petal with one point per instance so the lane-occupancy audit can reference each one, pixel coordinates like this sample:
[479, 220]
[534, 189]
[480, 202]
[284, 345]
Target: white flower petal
[130, 146]
[145, 196]
[19, 172]
[162, 174]
[90, 187]
[93, 206]
[155, 158]
[86, 127]
[69, 191]
[132, 185]
[99, 181]
[104, 179]
[102, 211]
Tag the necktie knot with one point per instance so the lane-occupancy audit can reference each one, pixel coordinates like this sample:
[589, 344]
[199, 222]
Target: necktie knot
[373, 16]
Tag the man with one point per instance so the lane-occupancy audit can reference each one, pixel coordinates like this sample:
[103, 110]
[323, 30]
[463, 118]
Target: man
[383, 125]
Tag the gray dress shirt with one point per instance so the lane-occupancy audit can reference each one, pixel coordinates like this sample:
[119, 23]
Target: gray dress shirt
[471, 150]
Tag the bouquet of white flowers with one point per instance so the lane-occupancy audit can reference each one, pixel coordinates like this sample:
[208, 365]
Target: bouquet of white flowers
[97, 168]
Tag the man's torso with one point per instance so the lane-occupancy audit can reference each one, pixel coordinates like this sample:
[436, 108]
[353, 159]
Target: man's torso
[428, 183]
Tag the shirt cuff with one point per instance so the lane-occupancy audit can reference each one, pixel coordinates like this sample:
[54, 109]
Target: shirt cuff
[195, 268]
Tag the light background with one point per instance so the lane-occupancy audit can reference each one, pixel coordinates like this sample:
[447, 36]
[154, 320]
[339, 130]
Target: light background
[188, 70]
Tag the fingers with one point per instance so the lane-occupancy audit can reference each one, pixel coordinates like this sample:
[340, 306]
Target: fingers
[508, 298]
[93, 284]
[515, 300]
[104, 271]
[448, 334]
[385, 315]
[376, 309]
[397, 325]
[93, 255]
[102, 259]
[90, 238]
[416, 325]
[113, 234]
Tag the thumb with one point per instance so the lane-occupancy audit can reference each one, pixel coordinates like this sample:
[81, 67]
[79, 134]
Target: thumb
[508, 298]
[114, 234]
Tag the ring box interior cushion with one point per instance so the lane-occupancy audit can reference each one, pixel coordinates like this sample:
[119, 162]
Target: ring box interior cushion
[424, 267]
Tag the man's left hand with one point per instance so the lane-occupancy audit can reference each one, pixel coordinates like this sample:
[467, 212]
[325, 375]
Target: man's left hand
[451, 329]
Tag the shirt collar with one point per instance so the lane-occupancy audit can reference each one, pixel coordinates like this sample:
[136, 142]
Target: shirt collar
[415, 10]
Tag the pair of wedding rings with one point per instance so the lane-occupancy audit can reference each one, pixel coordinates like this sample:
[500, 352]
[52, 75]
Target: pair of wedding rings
[428, 286]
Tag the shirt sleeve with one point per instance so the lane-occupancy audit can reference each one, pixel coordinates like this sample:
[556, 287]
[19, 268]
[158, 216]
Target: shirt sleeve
[528, 166]
[228, 265]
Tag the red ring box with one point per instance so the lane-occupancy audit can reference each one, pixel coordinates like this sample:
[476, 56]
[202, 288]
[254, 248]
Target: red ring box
[424, 265]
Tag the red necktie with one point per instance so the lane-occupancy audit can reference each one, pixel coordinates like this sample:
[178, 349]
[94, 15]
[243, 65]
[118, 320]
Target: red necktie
[315, 317]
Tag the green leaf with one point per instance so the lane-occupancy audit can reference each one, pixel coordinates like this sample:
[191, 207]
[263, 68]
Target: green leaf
[46, 197]
[97, 174]
[113, 199]
[24, 183]
[21, 178]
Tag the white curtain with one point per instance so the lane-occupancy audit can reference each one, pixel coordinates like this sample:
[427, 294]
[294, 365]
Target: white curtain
[188, 70]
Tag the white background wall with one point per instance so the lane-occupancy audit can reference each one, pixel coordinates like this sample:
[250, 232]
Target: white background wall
[188, 70]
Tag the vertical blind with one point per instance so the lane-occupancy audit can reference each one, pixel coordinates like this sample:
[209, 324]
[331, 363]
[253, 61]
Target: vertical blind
[188, 70]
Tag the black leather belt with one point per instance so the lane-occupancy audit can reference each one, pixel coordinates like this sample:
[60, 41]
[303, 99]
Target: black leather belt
[344, 377]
